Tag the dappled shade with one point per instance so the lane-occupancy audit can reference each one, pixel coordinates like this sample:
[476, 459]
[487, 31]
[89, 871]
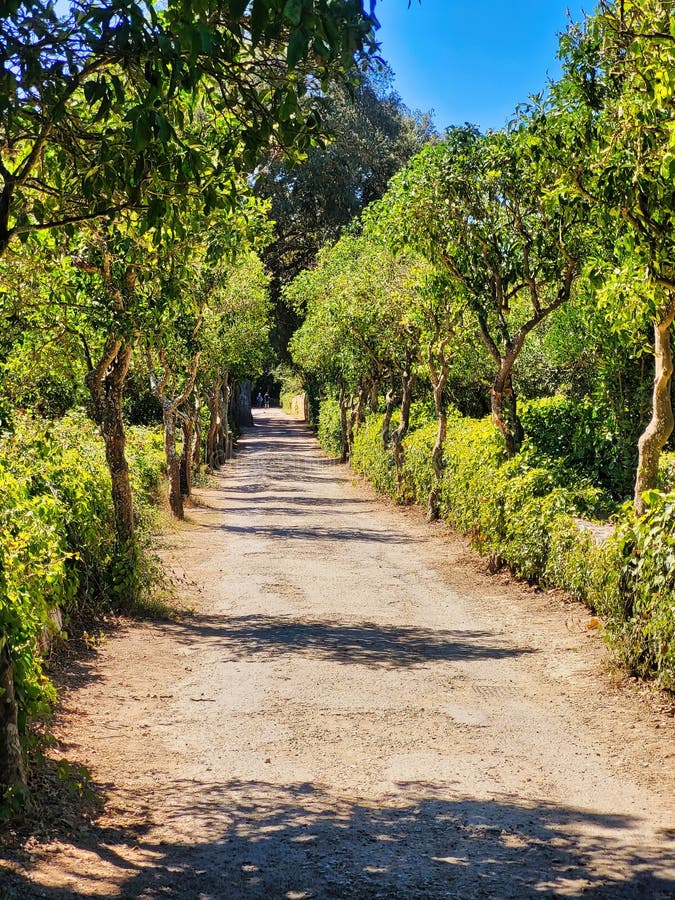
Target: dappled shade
[351, 643]
[422, 843]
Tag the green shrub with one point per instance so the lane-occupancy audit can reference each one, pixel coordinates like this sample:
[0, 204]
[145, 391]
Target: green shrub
[291, 383]
[147, 468]
[34, 578]
[525, 512]
[417, 471]
[643, 619]
[422, 413]
[588, 569]
[285, 400]
[369, 457]
[57, 538]
[583, 436]
[474, 451]
[533, 501]
[509, 506]
[667, 472]
[328, 432]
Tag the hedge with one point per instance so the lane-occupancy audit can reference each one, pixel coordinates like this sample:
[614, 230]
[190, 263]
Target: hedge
[328, 429]
[57, 543]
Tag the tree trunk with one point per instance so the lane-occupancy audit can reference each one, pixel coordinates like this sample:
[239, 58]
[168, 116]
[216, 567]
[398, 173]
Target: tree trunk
[386, 421]
[373, 395]
[212, 435]
[356, 415]
[360, 412]
[241, 405]
[433, 511]
[172, 461]
[6, 196]
[221, 441]
[438, 375]
[12, 773]
[660, 427]
[398, 435]
[515, 424]
[213, 401]
[344, 425]
[106, 386]
[502, 395]
[197, 445]
[504, 405]
[170, 412]
[228, 442]
[187, 455]
[223, 424]
[351, 409]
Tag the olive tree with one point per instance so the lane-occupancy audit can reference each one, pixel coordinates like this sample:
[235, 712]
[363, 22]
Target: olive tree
[357, 304]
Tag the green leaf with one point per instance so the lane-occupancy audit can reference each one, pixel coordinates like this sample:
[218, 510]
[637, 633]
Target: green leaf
[258, 19]
[297, 45]
[206, 38]
[293, 11]
[142, 134]
[288, 106]
[91, 92]
[668, 166]
[164, 129]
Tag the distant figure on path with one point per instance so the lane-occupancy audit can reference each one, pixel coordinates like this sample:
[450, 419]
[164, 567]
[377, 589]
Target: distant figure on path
[259, 400]
[267, 400]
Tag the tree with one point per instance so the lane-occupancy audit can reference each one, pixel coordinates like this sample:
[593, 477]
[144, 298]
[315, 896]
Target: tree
[440, 317]
[234, 339]
[114, 278]
[372, 135]
[172, 393]
[619, 73]
[94, 100]
[358, 332]
[97, 103]
[481, 208]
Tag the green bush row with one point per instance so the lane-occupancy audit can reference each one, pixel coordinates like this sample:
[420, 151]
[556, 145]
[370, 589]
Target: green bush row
[643, 622]
[585, 436]
[285, 400]
[328, 427]
[57, 544]
[529, 511]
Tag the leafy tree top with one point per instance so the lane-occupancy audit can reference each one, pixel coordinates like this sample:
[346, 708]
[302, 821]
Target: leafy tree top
[101, 101]
[612, 116]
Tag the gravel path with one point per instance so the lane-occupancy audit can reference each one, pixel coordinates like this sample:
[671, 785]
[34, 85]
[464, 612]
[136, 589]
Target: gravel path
[355, 710]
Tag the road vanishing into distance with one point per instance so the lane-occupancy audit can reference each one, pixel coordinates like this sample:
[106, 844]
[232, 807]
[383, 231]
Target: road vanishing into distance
[353, 708]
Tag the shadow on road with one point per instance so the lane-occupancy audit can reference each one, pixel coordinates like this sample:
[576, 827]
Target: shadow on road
[318, 533]
[300, 841]
[359, 643]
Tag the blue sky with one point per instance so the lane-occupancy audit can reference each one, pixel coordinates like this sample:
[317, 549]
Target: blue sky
[472, 60]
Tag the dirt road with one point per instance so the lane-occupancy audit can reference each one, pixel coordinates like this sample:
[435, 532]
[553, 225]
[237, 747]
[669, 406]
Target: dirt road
[355, 710]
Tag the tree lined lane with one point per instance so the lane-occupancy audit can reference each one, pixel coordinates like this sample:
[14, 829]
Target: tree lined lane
[354, 710]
